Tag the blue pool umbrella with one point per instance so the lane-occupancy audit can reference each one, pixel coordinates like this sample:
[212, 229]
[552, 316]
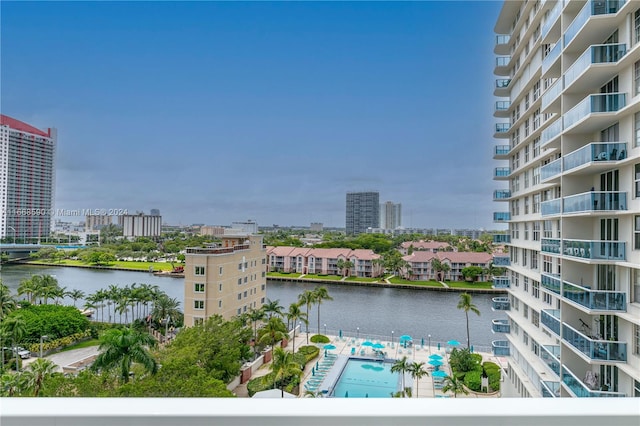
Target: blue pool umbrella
[436, 363]
[422, 342]
[453, 343]
[346, 394]
[435, 356]
[439, 373]
[405, 337]
[378, 346]
[317, 365]
[313, 371]
[438, 346]
[329, 346]
[367, 343]
[340, 334]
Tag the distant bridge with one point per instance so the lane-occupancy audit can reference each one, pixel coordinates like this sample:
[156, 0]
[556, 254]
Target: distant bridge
[17, 251]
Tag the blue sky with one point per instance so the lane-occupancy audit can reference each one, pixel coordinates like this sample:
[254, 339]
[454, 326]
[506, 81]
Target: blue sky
[216, 112]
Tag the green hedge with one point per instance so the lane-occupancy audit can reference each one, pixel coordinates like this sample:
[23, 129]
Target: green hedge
[319, 338]
[492, 370]
[309, 352]
[266, 382]
[48, 345]
[473, 380]
[54, 321]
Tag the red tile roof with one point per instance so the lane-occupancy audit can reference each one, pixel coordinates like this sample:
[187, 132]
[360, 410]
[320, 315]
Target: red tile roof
[20, 126]
[425, 245]
[451, 256]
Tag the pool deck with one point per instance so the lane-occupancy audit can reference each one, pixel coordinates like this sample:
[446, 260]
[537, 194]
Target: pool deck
[425, 388]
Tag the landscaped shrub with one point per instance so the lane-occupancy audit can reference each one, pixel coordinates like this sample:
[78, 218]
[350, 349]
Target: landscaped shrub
[266, 382]
[473, 380]
[309, 352]
[319, 338]
[54, 321]
[477, 358]
[48, 345]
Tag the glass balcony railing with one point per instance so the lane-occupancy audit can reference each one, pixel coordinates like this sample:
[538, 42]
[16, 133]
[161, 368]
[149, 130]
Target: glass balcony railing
[501, 194]
[502, 127]
[503, 61]
[550, 355]
[603, 102]
[591, 8]
[501, 282]
[595, 201]
[596, 54]
[550, 245]
[502, 105]
[501, 216]
[600, 300]
[501, 238]
[501, 150]
[500, 347]
[500, 326]
[551, 282]
[596, 151]
[500, 304]
[590, 249]
[503, 39]
[501, 260]
[551, 132]
[551, 207]
[581, 390]
[500, 172]
[502, 83]
[552, 56]
[598, 350]
[550, 318]
[551, 169]
[552, 92]
[549, 389]
[552, 18]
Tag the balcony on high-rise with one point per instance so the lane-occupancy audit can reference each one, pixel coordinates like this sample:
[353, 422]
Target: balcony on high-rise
[551, 207]
[501, 261]
[501, 195]
[551, 132]
[594, 349]
[595, 201]
[500, 303]
[552, 18]
[550, 245]
[596, 54]
[552, 94]
[502, 130]
[594, 104]
[502, 44]
[595, 300]
[500, 326]
[551, 282]
[594, 249]
[551, 170]
[550, 355]
[502, 65]
[549, 389]
[500, 347]
[501, 152]
[501, 238]
[502, 109]
[582, 390]
[501, 217]
[502, 87]
[550, 318]
[501, 173]
[552, 57]
[591, 9]
[501, 282]
[596, 152]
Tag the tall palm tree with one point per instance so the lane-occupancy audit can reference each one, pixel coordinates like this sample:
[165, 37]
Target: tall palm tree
[465, 303]
[307, 298]
[15, 327]
[401, 366]
[417, 372]
[28, 288]
[166, 307]
[283, 366]
[273, 331]
[295, 314]
[41, 369]
[119, 348]
[272, 307]
[321, 293]
[256, 315]
[455, 385]
[75, 295]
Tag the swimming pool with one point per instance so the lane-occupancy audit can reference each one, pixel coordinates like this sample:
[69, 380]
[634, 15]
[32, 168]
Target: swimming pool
[366, 379]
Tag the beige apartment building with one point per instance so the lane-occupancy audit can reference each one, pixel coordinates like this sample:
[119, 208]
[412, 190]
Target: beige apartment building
[227, 280]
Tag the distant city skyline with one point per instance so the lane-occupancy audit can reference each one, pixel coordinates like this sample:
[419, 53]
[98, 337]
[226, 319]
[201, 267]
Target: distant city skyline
[214, 112]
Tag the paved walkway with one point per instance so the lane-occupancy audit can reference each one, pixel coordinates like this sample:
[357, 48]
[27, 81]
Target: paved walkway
[62, 359]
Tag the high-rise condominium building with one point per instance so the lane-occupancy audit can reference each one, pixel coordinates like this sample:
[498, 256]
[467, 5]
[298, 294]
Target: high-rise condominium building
[390, 215]
[140, 225]
[568, 83]
[363, 211]
[225, 280]
[95, 222]
[27, 180]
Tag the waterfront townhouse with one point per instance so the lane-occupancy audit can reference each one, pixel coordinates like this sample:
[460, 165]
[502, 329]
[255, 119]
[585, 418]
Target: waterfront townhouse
[432, 246]
[420, 268]
[568, 112]
[323, 261]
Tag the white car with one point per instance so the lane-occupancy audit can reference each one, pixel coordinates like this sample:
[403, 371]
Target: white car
[22, 352]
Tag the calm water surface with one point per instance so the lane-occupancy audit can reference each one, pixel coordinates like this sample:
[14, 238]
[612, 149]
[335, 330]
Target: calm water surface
[376, 312]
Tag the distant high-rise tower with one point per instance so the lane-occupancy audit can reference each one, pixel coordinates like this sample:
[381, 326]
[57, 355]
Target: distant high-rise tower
[27, 180]
[155, 212]
[390, 215]
[363, 211]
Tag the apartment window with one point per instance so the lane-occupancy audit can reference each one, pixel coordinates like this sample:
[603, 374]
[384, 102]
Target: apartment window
[535, 318]
[262, 287]
[636, 180]
[526, 132]
[526, 152]
[263, 261]
[220, 270]
[239, 296]
[636, 25]
[525, 337]
[547, 229]
[515, 161]
[198, 320]
[239, 281]
[514, 254]
[262, 300]
[536, 148]
[220, 287]
[636, 339]
[220, 304]
[239, 311]
[198, 304]
[536, 91]
[525, 282]
[245, 294]
[526, 102]
[199, 270]
[535, 291]
[526, 206]
[636, 141]
[515, 138]
[636, 75]
[198, 288]
[525, 310]
[536, 203]
[534, 260]
[547, 264]
[536, 34]
[526, 233]
[547, 298]
[526, 179]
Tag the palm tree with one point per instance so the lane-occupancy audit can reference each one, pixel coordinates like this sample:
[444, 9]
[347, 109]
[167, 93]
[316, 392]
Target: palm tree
[283, 366]
[455, 385]
[256, 315]
[321, 293]
[436, 266]
[41, 369]
[295, 314]
[119, 348]
[466, 305]
[75, 295]
[166, 307]
[274, 330]
[401, 366]
[272, 307]
[15, 327]
[307, 298]
[417, 372]
[340, 265]
[28, 288]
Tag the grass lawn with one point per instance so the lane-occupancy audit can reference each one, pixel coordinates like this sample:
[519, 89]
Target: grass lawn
[143, 266]
[466, 284]
[396, 280]
[323, 277]
[85, 344]
[364, 279]
[283, 274]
